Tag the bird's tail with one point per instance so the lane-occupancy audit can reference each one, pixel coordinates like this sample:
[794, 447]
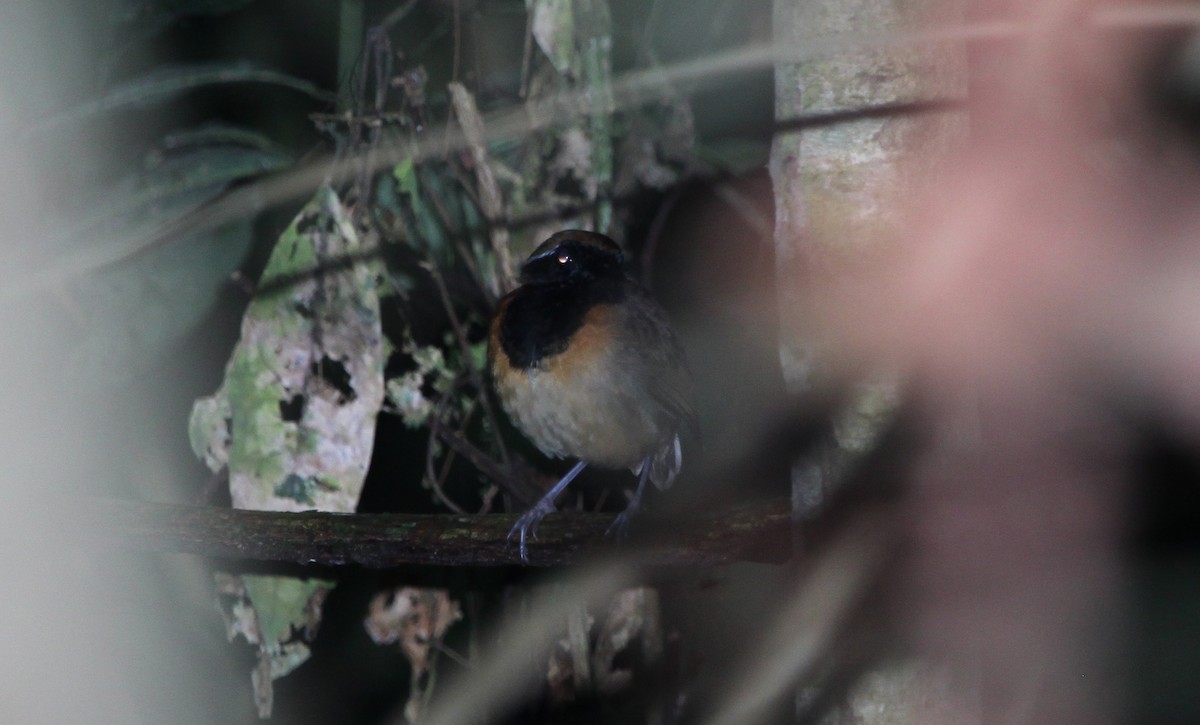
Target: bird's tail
[665, 464]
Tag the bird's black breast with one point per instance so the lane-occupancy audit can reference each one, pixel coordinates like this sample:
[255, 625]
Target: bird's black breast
[540, 320]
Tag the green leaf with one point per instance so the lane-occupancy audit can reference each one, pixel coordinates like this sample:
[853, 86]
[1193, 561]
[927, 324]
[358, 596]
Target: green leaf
[425, 220]
[406, 176]
[168, 189]
[138, 302]
[167, 83]
[207, 169]
[220, 134]
[279, 615]
[280, 602]
[140, 309]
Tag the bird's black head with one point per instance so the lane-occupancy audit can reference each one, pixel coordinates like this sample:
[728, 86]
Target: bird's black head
[573, 256]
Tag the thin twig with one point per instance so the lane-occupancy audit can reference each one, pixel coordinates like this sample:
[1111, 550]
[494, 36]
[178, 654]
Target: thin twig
[744, 208]
[458, 659]
[454, 68]
[452, 227]
[450, 141]
[461, 177]
[489, 497]
[390, 118]
[491, 199]
[435, 416]
[465, 347]
[435, 481]
[502, 475]
[654, 234]
[527, 52]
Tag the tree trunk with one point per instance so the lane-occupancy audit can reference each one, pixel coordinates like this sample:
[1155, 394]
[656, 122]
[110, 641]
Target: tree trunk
[837, 189]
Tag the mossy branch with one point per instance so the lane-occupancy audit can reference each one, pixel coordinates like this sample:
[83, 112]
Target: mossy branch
[756, 532]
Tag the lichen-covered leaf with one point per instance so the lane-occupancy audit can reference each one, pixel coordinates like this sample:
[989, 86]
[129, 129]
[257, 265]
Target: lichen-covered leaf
[553, 29]
[208, 432]
[294, 420]
[284, 606]
[305, 382]
[407, 392]
[278, 614]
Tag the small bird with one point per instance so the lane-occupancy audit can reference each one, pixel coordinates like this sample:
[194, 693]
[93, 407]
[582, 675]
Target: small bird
[587, 366]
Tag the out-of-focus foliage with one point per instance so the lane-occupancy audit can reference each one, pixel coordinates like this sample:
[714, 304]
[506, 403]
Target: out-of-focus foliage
[139, 264]
[144, 293]
[165, 84]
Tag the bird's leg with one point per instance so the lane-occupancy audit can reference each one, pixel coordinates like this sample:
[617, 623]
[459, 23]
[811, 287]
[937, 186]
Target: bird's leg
[620, 526]
[527, 525]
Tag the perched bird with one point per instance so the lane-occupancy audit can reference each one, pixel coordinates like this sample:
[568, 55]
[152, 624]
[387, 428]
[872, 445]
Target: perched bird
[587, 366]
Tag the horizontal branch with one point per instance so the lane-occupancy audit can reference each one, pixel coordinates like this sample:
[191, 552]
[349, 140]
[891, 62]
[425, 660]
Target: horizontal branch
[755, 532]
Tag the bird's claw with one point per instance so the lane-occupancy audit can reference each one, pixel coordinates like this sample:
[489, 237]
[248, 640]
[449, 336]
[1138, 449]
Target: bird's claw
[527, 526]
[619, 528]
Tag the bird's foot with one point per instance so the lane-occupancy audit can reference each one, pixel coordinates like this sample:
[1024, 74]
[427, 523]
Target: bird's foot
[527, 526]
[619, 528]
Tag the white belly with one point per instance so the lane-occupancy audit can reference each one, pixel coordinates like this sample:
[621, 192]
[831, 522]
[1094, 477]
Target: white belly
[562, 414]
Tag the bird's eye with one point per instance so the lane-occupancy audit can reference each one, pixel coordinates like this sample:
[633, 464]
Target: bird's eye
[563, 258]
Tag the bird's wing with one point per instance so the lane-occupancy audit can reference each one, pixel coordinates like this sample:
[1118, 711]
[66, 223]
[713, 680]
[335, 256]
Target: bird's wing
[662, 365]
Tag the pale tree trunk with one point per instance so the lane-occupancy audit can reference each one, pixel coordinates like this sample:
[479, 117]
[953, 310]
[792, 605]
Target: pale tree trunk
[837, 187]
[836, 191]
